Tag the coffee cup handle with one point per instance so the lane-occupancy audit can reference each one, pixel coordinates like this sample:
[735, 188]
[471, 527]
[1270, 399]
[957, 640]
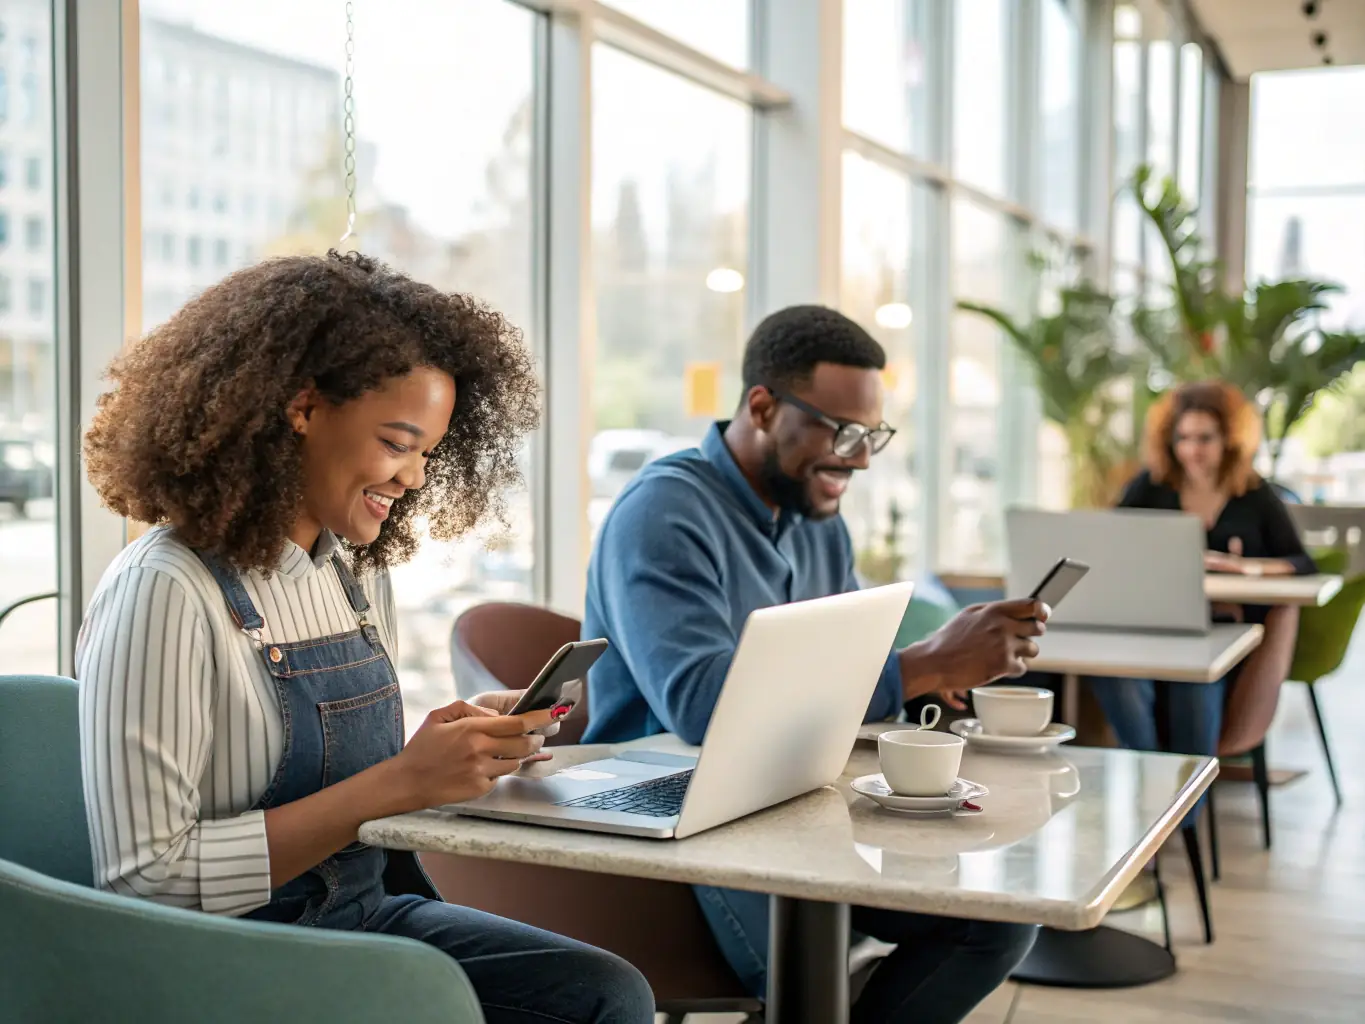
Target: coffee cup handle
[929, 716]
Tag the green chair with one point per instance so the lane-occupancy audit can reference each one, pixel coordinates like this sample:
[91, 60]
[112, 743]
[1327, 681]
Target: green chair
[1324, 637]
[71, 953]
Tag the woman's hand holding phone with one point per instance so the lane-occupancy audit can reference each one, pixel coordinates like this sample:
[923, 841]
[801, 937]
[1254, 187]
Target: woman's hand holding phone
[462, 749]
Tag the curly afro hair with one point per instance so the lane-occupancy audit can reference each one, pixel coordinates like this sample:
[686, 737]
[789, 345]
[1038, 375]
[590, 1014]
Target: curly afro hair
[195, 433]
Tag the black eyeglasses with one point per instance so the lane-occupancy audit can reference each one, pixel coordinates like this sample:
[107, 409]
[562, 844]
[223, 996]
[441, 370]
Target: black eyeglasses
[848, 436]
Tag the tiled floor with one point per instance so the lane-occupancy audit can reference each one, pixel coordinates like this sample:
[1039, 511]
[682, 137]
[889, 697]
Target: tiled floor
[1290, 922]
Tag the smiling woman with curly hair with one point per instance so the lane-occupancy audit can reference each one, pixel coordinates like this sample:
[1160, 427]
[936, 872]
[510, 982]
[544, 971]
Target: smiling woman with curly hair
[290, 432]
[1200, 441]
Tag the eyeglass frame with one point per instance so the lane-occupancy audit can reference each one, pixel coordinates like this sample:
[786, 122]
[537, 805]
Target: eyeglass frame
[864, 433]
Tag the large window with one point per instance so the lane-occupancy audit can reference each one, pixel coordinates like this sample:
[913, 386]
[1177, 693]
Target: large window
[242, 158]
[670, 191]
[1306, 207]
[878, 289]
[982, 71]
[717, 28]
[28, 374]
[987, 256]
[1128, 132]
[1191, 121]
[887, 73]
[1060, 116]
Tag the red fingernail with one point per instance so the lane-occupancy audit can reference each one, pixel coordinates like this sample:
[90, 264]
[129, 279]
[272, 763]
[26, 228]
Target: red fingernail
[560, 710]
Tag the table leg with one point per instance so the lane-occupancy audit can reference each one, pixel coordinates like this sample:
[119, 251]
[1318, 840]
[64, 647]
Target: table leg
[1071, 699]
[807, 962]
[1100, 958]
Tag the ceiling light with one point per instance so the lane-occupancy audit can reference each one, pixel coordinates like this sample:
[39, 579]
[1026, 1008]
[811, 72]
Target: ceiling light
[894, 316]
[725, 280]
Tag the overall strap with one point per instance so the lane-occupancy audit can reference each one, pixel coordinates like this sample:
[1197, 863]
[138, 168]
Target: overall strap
[244, 613]
[359, 602]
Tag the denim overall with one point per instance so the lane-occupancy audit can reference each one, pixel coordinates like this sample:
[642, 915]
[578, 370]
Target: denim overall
[342, 713]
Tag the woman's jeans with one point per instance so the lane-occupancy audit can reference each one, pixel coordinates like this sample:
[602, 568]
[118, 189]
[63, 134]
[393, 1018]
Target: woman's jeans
[1193, 721]
[522, 975]
[941, 969]
[1194, 714]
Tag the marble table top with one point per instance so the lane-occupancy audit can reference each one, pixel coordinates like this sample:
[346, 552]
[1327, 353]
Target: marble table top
[1057, 841]
[1180, 658]
[1230, 588]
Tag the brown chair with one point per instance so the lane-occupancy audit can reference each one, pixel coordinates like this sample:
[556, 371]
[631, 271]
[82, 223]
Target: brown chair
[505, 645]
[1250, 710]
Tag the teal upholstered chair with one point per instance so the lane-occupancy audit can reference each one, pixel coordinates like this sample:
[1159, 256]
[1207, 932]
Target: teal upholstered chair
[71, 953]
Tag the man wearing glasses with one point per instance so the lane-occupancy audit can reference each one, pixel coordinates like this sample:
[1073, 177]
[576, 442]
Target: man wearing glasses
[700, 539]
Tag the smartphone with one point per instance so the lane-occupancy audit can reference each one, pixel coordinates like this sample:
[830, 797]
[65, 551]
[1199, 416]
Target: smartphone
[1059, 581]
[569, 664]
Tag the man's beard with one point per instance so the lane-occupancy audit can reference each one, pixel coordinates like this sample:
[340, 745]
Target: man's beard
[787, 492]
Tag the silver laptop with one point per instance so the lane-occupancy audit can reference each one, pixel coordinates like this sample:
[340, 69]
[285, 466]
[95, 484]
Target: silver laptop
[1146, 567]
[787, 717]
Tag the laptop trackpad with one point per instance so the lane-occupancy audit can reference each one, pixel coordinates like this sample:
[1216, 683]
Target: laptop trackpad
[663, 760]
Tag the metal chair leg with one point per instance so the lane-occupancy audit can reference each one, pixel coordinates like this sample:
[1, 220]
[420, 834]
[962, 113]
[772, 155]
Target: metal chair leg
[1322, 735]
[1191, 836]
[1161, 898]
[1261, 773]
[1215, 861]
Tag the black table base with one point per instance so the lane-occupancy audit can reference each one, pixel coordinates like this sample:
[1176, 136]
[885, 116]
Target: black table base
[1100, 958]
[807, 962]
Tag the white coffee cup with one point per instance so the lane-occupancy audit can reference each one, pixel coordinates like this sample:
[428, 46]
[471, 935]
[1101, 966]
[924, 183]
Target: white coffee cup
[1013, 710]
[917, 762]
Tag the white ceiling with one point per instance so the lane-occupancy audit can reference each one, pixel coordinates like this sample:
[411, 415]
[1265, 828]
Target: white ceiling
[1272, 35]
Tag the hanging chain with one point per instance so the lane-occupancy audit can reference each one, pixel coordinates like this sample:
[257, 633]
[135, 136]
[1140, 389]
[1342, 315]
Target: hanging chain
[348, 121]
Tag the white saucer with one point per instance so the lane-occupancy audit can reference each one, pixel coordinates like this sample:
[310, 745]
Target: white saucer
[874, 787]
[1045, 742]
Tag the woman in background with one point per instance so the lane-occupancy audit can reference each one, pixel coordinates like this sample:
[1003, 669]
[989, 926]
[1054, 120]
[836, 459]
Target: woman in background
[1200, 441]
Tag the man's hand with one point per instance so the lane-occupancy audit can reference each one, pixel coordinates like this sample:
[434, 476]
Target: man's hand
[981, 644]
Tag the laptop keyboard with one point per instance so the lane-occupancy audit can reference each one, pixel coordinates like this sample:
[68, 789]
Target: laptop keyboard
[657, 798]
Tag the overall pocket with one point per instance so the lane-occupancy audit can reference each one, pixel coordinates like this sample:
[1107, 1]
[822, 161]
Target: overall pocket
[360, 732]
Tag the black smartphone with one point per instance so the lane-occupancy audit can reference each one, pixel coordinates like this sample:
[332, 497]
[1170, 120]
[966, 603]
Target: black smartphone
[569, 664]
[1059, 581]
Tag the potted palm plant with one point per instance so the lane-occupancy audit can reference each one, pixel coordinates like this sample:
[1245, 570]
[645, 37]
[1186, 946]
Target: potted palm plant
[1267, 340]
[1079, 373]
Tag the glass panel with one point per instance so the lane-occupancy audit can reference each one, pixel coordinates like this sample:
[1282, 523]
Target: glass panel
[1160, 133]
[670, 213]
[1160, 98]
[1127, 223]
[981, 79]
[241, 159]
[1319, 110]
[1191, 120]
[28, 373]
[887, 75]
[719, 28]
[985, 249]
[1060, 116]
[882, 510]
[1313, 235]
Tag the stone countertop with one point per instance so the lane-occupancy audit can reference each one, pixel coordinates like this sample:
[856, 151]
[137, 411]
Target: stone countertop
[1057, 841]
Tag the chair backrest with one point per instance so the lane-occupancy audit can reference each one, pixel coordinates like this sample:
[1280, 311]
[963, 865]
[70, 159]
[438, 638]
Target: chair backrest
[1325, 632]
[506, 644]
[1339, 527]
[42, 807]
[72, 953]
